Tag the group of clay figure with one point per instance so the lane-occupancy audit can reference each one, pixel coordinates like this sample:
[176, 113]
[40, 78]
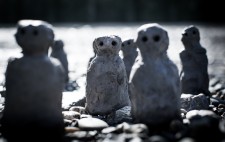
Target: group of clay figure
[145, 79]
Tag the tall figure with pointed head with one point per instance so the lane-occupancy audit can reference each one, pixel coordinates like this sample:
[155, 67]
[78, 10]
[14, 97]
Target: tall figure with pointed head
[106, 85]
[154, 80]
[34, 86]
[194, 61]
[129, 50]
[59, 53]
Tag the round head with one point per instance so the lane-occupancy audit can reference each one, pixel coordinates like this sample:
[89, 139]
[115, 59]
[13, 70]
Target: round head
[128, 46]
[152, 38]
[107, 45]
[190, 35]
[34, 36]
[57, 45]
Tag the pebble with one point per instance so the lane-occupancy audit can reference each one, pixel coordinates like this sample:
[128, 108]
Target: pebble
[119, 116]
[70, 115]
[91, 124]
[194, 102]
[79, 109]
[81, 135]
[71, 129]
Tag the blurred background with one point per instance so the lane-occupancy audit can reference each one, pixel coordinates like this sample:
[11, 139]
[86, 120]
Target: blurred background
[113, 10]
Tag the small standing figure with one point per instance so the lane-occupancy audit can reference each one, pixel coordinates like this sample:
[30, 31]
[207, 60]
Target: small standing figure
[129, 54]
[34, 85]
[107, 85]
[195, 79]
[154, 79]
[59, 53]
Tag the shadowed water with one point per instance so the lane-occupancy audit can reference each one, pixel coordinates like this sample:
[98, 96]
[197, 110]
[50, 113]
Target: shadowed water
[78, 40]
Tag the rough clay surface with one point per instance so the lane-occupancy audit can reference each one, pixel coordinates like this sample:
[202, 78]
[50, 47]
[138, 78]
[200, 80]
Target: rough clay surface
[154, 79]
[106, 85]
[194, 60]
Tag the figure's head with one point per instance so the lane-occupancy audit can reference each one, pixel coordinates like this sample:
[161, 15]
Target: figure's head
[190, 35]
[107, 45]
[57, 45]
[128, 46]
[34, 36]
[152, 38]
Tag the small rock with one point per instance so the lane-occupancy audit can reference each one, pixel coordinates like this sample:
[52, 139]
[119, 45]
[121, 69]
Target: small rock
[79, 109]
[85, 116]
[71, 129]
[216, 101]
[109, 130]
[81, 135]
[121, 115]
[71, 115]
[67, 122]
[204, 125]
[91, 124]
[157, 138]
[194, 102]
[187, 140]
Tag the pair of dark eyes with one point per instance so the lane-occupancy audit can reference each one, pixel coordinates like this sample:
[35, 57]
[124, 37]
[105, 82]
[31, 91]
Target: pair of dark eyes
[114, 43]
[34, 32]
[155, 38]
[194, 32]
[128, 43]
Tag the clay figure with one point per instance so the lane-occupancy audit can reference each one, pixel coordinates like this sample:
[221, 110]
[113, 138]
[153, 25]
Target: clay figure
[154, 79]
[34, 85]
[106, 84]
[195, 79]
[59, 53]
[129, 50]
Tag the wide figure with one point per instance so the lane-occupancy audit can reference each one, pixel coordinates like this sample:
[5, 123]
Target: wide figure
[154, 79]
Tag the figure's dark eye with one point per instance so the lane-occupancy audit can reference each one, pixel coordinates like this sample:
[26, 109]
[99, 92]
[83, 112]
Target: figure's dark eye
[122, 44]
[156, 38]
[128, 43]
[114, 43]
[194, 32]
[22, 31]
[185, 34]
[35, 32]
[101, 43]
[144, 38]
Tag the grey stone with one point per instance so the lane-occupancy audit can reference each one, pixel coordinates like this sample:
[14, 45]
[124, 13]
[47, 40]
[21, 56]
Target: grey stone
[79, 109]
[70, 115]
[187, 140]
[34, 85]
[204, 125]
[59, 53]
[82, 135]
[194, 102]
[195, 79]
[106, 85]
[91, 124]
[121, 115]
[129, 50]
[154, 80]
[157, 138]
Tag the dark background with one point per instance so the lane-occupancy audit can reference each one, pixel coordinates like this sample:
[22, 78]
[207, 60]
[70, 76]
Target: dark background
[113, 10]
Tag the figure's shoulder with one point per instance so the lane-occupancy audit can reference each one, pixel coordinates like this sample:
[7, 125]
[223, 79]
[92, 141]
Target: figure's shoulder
[201, 50]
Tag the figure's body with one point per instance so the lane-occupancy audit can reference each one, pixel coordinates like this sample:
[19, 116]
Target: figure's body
[107, 86]
[59, 53]
[129, 54]
[154, 80]
[194, 61]
[34, 86]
